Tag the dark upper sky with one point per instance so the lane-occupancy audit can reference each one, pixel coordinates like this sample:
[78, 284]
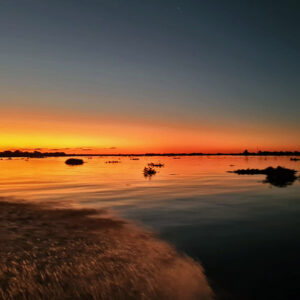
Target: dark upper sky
[219, 63]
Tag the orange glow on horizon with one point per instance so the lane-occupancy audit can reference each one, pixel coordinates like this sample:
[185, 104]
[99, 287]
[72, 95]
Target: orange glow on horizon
[84, 134]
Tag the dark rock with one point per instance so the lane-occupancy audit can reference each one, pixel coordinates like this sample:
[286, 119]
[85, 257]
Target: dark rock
[74, 161]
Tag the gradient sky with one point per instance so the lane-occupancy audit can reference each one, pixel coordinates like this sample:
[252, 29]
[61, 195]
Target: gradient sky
[150, 76]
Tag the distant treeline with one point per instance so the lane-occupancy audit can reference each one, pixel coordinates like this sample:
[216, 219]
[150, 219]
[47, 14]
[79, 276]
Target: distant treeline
[245, 153]
[38, 154]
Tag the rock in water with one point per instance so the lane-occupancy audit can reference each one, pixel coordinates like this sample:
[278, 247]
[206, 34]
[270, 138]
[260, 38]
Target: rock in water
[74, 161]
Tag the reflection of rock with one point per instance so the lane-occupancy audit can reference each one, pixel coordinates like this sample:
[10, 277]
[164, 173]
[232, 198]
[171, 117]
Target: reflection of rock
[294, 159]
[52, 253]
[74, 161]
[280, 177]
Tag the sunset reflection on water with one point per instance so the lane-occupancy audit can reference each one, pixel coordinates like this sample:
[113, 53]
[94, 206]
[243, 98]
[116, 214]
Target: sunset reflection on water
[217, 217]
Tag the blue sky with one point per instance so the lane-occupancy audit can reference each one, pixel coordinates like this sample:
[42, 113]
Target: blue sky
[221, 63]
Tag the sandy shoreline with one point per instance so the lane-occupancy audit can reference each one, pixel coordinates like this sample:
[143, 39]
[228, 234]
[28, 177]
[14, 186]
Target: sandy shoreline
[67, 253]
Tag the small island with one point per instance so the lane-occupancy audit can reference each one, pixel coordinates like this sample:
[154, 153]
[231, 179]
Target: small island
[74, 161]
[280, 177]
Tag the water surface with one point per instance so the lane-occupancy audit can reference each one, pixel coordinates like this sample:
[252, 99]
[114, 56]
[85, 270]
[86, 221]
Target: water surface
[245, 232]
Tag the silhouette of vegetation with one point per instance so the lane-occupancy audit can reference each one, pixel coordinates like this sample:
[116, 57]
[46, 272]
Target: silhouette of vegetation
[112, 162]
[294, 159]
[149, 171]
[276, 153]
[38, 154]
[158, 165]
[246, 152]
[74, 161]
[280, 177]
[34, 154]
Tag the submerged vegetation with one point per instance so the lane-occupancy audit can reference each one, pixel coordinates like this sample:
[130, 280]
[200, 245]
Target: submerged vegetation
[158, 165]
[52, 253]
[112, 162]
[149, 171]
[280, 177]
[74, 161]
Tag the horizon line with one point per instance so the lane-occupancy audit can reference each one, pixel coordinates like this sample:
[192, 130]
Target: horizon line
[35, 153]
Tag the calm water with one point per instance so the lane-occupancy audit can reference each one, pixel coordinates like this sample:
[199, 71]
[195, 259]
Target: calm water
[245, 232]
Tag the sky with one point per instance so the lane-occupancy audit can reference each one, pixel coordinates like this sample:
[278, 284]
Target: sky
[132, 76]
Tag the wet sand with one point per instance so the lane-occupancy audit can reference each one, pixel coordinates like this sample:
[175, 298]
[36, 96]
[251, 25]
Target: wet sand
[65, 253]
